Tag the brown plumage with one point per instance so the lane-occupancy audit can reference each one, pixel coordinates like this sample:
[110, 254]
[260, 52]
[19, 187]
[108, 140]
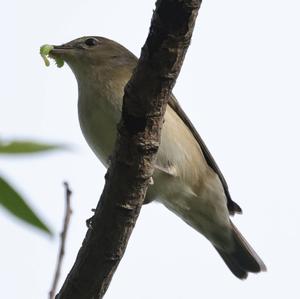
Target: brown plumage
[187, 180]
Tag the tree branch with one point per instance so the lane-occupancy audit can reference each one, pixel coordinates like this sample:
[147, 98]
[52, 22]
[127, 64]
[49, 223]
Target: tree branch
[144, 104]
[63, 236]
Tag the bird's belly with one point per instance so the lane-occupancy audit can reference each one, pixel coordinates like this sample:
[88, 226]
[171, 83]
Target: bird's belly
[182, 180]
[179, 153]
[205, 211]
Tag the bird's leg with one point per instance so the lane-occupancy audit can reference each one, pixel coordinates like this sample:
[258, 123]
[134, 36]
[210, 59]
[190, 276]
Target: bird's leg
[89, 221]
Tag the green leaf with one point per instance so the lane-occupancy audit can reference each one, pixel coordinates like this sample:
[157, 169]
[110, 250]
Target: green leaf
[26, 147]
[16, 205]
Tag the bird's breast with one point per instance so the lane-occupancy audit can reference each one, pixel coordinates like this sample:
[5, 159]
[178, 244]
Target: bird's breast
[99, 113]
[99, 109]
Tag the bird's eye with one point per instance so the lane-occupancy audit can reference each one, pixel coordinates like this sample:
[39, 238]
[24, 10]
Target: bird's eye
[91, 42]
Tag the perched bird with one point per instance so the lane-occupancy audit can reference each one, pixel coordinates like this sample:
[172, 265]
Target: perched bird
[187, 180]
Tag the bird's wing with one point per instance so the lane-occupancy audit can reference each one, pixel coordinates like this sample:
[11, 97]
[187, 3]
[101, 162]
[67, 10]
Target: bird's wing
[232, 206]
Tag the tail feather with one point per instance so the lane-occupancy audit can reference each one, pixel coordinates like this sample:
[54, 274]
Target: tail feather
[243, 258]
[232, 265]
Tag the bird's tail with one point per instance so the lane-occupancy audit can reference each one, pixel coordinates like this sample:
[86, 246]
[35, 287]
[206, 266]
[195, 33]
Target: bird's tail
[243, 258]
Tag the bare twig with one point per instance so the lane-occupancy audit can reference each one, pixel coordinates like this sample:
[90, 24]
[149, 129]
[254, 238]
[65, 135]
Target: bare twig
[63, 236]
[144, 104]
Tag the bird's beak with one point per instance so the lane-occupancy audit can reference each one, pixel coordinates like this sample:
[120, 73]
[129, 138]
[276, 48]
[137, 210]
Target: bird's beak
[61, 50]
[63, 53]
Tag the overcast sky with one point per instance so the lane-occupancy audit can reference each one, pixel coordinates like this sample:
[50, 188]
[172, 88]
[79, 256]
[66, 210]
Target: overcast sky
[240, 87]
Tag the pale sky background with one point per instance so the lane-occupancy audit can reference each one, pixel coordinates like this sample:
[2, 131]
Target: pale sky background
[240, 87]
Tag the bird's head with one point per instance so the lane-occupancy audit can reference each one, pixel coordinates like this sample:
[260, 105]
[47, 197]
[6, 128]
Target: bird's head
[93, 55]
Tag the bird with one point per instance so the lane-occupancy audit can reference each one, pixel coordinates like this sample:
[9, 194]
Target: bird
[186, 178]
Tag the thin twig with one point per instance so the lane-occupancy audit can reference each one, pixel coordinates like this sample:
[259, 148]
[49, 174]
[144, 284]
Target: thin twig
[63, 236]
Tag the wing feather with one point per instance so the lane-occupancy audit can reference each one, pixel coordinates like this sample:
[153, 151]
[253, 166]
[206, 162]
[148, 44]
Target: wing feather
[232, 206]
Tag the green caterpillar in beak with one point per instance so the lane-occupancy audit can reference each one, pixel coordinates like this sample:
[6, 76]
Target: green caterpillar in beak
[45, 53]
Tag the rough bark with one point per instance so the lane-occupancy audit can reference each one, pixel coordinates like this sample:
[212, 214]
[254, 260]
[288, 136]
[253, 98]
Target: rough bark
[127, 179]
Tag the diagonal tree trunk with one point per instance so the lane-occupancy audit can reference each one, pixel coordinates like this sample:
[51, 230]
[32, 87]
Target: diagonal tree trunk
[127, 179]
